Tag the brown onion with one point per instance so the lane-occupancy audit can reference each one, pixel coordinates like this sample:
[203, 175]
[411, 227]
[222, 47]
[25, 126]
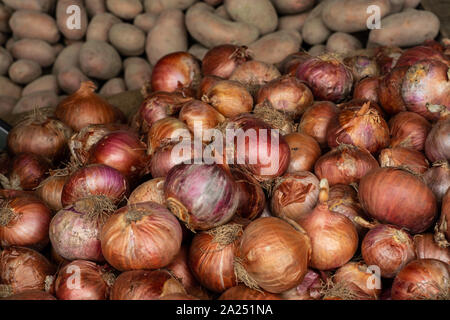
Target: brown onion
[145, 285]
[442, 229]
[290, 64]
[438, 178]
[242, 292]
[304, 152]
[175, 71]
[409, 130]
[222, 60]
[422, 279]
[50, 189]
[345, 164]
[387, 58]
[164, 131]
[437, 144]
[83, 280]
[398, 197]
[412, 160]
[206, 83]
[152, 190]
[413, 55]
[273, 255]
[390, 91]
[316, 119]
[31, 295]
[85, 107]
[309, 289]
[253, 74]
[334, 238]
[362, 67]
[427, 248]
[252, 199]
[294, 195]
[178, 296]
[367, 89]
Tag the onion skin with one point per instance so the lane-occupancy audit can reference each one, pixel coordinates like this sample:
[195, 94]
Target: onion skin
[27, 171]
[309, 289]
[388, 247]
[390, 91]
[437, 179]
[409, 130]
[344, 164]
[253, 74]
[424, 52]
[31, 295]
[222, 60]
[84, 107]
[316, 119]
[92, 180]
[24, 269]
[152, 190]
[362, 67]
[444, 223]
[174, 71]
[164, 131]
[427, 248]
[156, 235]
[241, 292]
[94, 281]
[144, 285]
[422, 279]
[367, 89]
[412, 160]
[50, 191]
[201, 195]
[387, 58]
[294, 195]
[304, 152]
[274, 253]
[252, 199]
[437, 144]
[397, 197]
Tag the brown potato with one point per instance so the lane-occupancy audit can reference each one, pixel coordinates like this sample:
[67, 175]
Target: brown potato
[69, 80]
[44, 83]
[113, 86]
[137, 72]
[145, 21]
[33, 49]
[158, 6]
[5, 61]
[198, 51]
[6, 105]
[40, 99]
[66, 23]
[94, 7]
[99, 26]
[295, 21]
[24, 71]
[35, 5]
[125, 9]
[292, 6]
[5, 14]
[343, 43]
[317, 49]
[34, 25]
[67, 58]
[99, 60]
[9, 88]
[132, 44]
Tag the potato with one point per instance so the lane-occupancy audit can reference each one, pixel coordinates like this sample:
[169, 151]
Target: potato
[44, 83]
[9, 44]
[411, 4]
[222, 12]
[351, 15]
[5, 61]
[66, 22]
[343, 43]
[9, 88]
[33, 49]
[36, 100]
[5, 14]
[158, 6]
[211, 30]
[35, 5]
[396, 5]
[145, 21]
[125, 9]
[57, 48]
[198, 51]
[408, 28]
[318, 49]
[6, 105]
[314, 31]
[260, 14]
[69, 80]
[3, 38]
[276, 46]
[137, 72]
[127, 39]
[24, 71]
[34, 25]
[292, 6]
[167, 36]
[213, 2]
[94, 7]
[99, 60]
[99, 26]
[68, 58]
[113, 86]
[295, 21]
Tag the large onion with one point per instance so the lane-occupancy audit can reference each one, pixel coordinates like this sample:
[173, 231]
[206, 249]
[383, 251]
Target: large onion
[222, 60]
[438, 179]
[409, 159]
[304, 152]
[290, 64]
[409, 130]
[252, 199]
[426, 248]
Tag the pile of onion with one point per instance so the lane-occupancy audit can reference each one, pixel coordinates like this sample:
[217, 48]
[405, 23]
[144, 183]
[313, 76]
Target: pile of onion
[409, 159]
[367, 89]
[252, 199]
[221, 60]
[437, 145]
[409, 130]
[390, 91]
[426, 248]
[169, 155]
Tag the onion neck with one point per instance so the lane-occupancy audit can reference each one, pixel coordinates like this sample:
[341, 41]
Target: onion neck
[226, 234]
[5, 291]
[86, 88]
[7, 215]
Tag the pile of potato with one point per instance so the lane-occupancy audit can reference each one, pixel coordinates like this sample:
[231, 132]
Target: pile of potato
[42, 59]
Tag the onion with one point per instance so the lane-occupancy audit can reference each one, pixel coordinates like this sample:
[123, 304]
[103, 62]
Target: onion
[438, 179]
[422, 279]
[253, 74]
[367, 89]
[222, 60]
[435, 45]
[409, 159]
[359, 123]
[165, 158]
[388, 247]
[424, 52]
[41, 135]
[387, 58]
[201, 195]
[286, 94]
[426, 83]
[95, 180]
[294, 195]
[228, 97]
[427, 248]
[152, 190]
[84, 107]
[328, 78]
[276, 119]
[390, 91]
[24, 221]
[409, 130]
[442, 229]
[241, 292]
[175, 71]
[164, 131]
[345, 164]
[273, 255]
[437, 144]
[334, 238]
[316, 119]
[309, 289]
[206, 83]
[291, 63]
[31, 295]
[252, 199]
[304, 152]
[5, 163]
[50, 189]
[145, 285]
[362, 67]
[178, 296]
[22, 270]
[83, 280]
[398, 197]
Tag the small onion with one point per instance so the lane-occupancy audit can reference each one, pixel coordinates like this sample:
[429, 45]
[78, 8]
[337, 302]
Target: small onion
[424, 52]
[84, 107]
[304, 152]
[367, 89]
[253, 74]
[422, 279]
[412, 160]
[241, 292]
[222, 60]
[309, 289]
[31, 295]
[437, 144]
[387, 58]
[83, 280]
[294, 195]
[345, 164]
[152, 190]
[164, 131]
[252, 199]
[390, 91]
[409, 130]
[362, 67]
[174, 71]
[438, 178]
[427, 248]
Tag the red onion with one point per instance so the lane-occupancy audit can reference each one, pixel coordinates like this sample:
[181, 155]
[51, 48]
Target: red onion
[390, 91]
[164, 131]
[152, 190]
[409, 130]
[367, 89]
[387, 58]
[438, 179]
[437, 144]
[242, 292]
[427, 248]
[222, 60]
[165, 158]
[424, 52]
[409, 159]
[362, 67]
[291, 63]
[252, 199]
[304, 152]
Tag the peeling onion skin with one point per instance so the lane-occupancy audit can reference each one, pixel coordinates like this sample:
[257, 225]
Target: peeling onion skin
[367, 89]
[412, 160]
[390, 91]
[241, 292]
[309, 289]
[409, 130]
[354, 276]
[427, 248]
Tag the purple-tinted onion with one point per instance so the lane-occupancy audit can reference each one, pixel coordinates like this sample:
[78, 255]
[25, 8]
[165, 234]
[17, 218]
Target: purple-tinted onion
[438, 178]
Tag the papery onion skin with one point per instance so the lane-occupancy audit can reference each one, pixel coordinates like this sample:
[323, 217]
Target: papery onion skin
[427, 248]
[438, 179]
[94, 281]
[241, 292]
[50, 191]
[175, 71]
[144, 285]
[437, 144]
[31, 295]
[275, 253]
[367, 89]
[253, 74]
[252, 199]
[422, 279]
[152, 190]
[409, 130]
[362, 67]
[415, 54]
[309, 289]
[344, 164]
[390, 91]
[164, 131]
[294, 195]
[304, 152]
[412, 160]
[202, 195]
[398, 197]
[388, 247]
[222, 60]
[387, 58]
[27, 171]
[316, 119]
